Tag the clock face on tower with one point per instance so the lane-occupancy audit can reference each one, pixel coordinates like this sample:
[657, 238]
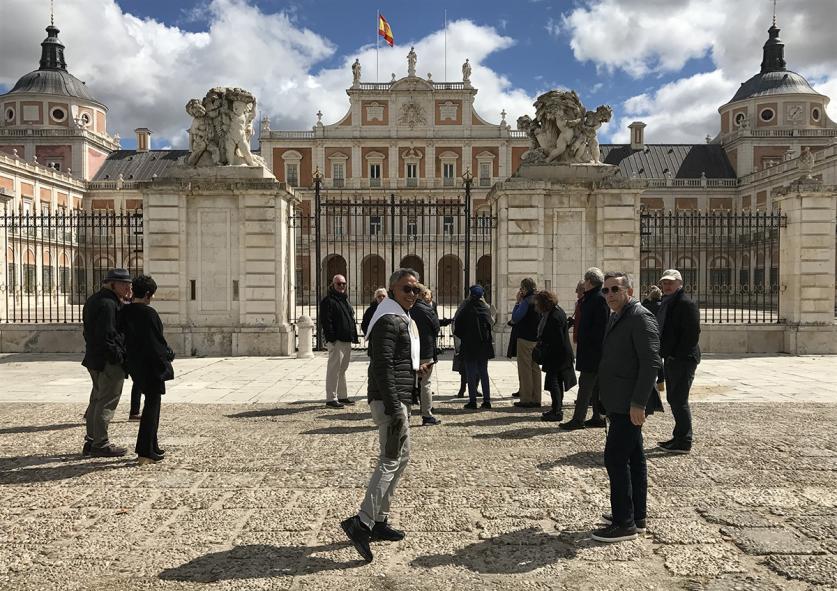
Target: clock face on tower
[795, 113]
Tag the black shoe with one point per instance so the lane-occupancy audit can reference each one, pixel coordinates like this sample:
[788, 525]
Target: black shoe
[640, 523]
[486, 404]
[614, 533]
[345, 401]
[516, 394]
[430, 421]
[460, 394]
[334, 404]
[134, 416]
[85, 450]
[159, 452]
[665, 443]
[360, 536]
[553, 416]
[676, 447]
[571, 425]
[384, 532]
[151, 458]
[595, 422]
[470, 405]
[526, 404]
[108, 451]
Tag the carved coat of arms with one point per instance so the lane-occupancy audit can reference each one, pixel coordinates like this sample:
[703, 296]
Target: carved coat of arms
[412, 115]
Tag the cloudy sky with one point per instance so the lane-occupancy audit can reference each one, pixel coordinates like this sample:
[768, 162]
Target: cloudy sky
[670, 63]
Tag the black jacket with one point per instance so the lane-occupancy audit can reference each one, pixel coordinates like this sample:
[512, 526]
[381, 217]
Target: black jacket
[428, 327]
[527, 328]
[680, 320]
[652, 306]
[554, 342]
[149, 356]
[630, 360]
[337, 318]
[391, 375]
[472, 326]
[367, 316]
[103, 342]
[590, 329]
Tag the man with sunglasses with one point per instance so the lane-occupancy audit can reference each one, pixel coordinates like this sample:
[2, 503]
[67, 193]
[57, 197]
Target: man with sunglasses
[627, 373]
[679, 319]
[394, 368]
[337, 321]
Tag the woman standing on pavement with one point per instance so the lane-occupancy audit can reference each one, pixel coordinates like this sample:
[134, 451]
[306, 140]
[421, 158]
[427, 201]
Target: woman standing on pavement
[554, 352]
[149, 363]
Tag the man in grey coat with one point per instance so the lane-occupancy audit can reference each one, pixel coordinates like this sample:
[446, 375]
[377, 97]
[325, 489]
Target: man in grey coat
[627, 374]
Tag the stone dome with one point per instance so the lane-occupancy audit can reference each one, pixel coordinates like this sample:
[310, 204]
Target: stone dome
[771, 83]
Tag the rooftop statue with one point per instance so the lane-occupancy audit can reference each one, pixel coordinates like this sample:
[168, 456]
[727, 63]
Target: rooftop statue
[356, 73]
[411, 62]
[563, 130]
[222, 127]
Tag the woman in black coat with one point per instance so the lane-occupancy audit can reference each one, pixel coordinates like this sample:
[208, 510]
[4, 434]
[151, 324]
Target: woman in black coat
[149, 363]
[554, 352]
[472, 325]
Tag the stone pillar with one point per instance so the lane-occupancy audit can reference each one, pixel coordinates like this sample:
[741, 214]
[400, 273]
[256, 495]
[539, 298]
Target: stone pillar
[807, 266]
[5, 208]
[217, 243]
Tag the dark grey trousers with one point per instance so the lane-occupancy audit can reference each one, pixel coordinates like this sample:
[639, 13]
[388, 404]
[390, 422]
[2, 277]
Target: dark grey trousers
[104, 398]
[588, 391]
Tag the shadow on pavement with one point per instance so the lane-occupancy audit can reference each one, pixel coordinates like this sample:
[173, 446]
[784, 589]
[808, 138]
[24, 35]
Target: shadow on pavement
[258, 561]
[273, 412]
[580, 459]
[525, 433]
[38, 428]
[347, 416]
[69, 466]
[339, 430]
[516, 552]
[504, 420]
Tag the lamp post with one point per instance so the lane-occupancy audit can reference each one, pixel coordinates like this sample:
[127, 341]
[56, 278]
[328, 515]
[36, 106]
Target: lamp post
[467, 179]
[318, 181]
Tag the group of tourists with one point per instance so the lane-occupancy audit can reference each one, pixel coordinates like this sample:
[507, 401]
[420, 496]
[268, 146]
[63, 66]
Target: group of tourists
[623, 348]
[123, 336]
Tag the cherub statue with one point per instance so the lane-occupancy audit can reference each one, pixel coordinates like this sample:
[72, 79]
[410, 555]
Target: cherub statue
[199, 134]
[240, 130]
[586, 145]
[213, 103]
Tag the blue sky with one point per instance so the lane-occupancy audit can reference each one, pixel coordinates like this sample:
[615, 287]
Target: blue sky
[670, 63]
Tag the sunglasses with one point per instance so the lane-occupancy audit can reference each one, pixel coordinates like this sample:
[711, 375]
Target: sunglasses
[413, 290]
[344, 283]
[614, 289]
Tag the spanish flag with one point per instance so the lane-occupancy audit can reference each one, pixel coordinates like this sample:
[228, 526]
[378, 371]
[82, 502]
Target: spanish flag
[384, 30]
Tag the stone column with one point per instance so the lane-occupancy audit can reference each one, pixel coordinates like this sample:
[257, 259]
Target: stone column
[5, 208]
[807, 266]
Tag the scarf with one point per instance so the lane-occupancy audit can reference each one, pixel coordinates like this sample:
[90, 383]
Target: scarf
[390, 306]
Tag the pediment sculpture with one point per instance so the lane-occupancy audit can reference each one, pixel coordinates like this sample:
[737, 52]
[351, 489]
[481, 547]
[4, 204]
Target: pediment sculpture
[563, 131]
[412, 115]
[222, 127]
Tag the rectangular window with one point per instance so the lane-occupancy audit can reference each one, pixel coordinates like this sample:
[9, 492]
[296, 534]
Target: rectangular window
[412, 227]
[448, 172]
[485, 174]
[374, 175]
[64, 279]
[292, 174]
[47, 279]
[412, 174]
[81, 281]
[744, 277]
[337, 225]
[375, 225]
[447, 225]
[29, 278]
[338, 174]
[12, 278]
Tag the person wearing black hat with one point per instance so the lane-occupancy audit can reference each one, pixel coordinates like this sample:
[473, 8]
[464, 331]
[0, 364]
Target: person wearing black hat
[473, 327]
[104, 354]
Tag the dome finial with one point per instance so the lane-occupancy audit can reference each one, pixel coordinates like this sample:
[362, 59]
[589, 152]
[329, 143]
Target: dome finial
[774, 50]
[774, 13]
[52, 12]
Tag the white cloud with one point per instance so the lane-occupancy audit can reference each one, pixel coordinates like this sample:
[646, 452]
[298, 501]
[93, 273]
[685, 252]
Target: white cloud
[145, 70]
[656, 37]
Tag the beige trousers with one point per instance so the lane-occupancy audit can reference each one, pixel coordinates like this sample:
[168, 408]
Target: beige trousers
[528, 373]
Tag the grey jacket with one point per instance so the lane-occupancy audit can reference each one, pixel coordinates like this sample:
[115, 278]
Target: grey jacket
[630, 360]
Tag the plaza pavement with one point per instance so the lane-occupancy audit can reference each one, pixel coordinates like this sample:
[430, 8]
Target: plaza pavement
[259, 474]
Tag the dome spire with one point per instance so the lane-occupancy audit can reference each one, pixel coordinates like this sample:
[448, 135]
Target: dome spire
[774, 50]
[52, 51]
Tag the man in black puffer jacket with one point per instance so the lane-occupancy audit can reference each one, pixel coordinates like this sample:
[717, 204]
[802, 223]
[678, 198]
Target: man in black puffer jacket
[337, 321]
[393, 369]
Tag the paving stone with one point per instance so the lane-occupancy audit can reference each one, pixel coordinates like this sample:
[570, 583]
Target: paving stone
[737, 518]
[683, 531]
[703, 560]
[771, 540]
[817, 570]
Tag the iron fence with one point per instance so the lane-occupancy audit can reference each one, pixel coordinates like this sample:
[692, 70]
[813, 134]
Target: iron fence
[365, 240]
[729, 260]
[55, 261]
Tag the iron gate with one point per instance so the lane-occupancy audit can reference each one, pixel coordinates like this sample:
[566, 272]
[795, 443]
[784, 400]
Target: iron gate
[729, 260]
[442, 239]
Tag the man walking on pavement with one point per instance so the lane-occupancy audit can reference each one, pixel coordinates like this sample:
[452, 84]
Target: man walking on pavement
[679, 320]
[394, 350]
[337, 321]
[104, 355]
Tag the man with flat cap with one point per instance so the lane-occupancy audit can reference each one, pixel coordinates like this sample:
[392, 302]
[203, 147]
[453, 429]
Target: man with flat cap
[104, 355]
[679, 320]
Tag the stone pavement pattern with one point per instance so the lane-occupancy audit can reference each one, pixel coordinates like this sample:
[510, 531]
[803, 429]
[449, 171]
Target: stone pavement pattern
[250, 497]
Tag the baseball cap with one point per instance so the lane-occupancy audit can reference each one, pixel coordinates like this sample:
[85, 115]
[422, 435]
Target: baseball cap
[672, 274]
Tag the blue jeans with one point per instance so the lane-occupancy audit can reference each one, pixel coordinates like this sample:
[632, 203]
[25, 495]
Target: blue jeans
[477, 371]
[624, 459]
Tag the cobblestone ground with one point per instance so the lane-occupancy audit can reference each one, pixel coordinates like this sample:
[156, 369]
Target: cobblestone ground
[250, 497]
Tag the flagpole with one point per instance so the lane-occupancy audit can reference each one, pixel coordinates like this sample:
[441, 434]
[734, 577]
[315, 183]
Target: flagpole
[446, 44]
[377, 42]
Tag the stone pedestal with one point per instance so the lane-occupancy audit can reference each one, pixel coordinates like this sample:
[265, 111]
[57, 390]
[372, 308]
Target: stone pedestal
[556, 221]
[217, 242]
[806, 266]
